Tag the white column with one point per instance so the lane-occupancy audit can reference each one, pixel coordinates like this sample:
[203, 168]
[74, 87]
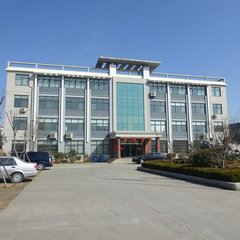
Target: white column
[169, 118]
[208, 112]
[146, 72]
[61, 111]
[87, 112]
[34, 119]
[189, 116]
[112, 69]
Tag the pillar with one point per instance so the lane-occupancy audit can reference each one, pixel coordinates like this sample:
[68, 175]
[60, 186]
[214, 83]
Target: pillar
[118, 148]
[157, 144]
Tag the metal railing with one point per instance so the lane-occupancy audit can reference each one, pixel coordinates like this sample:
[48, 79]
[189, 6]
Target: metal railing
[90, 69]
[55, 67]
[187, 77]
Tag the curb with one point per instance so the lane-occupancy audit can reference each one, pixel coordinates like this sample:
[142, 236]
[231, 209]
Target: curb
[207, 181]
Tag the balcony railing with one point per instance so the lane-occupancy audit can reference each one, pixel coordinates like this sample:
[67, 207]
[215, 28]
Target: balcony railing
[90, 69]
[188, 77]
[55, 67]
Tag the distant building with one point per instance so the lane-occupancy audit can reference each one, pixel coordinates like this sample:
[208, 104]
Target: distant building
[119, 108]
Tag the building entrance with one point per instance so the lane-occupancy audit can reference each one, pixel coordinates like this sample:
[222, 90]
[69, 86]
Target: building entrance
[129, 149]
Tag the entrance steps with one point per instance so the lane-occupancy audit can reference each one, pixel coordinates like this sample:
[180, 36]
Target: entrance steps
[122, 160]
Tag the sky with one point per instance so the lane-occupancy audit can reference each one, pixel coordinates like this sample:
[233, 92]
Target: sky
[198, 37]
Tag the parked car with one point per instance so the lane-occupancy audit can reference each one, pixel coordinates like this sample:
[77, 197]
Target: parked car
[17, 168]
[149, 157]
[43, 159]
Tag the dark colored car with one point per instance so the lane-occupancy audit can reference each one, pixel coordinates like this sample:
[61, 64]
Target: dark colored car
[43, 159]
[149, 157]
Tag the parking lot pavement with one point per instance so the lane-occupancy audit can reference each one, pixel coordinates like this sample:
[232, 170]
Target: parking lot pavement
[114, 201]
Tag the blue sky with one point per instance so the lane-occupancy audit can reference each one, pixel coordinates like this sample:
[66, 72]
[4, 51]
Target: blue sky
[187, 36]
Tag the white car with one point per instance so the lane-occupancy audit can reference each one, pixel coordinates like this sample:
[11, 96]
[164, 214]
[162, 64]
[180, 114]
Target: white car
[17, 169]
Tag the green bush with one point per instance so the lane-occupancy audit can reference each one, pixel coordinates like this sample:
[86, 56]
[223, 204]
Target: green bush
[59, 157]
[229, 175]
[205, 158]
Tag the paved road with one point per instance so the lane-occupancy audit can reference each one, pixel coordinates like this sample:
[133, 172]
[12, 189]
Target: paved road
[114, 201]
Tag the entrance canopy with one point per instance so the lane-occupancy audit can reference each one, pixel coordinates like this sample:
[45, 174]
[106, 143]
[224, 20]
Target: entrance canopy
[123, 134]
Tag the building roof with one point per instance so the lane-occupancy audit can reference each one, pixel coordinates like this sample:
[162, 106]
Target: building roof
[124, 64]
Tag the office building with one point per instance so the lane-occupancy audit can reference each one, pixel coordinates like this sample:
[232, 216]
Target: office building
[119, 108]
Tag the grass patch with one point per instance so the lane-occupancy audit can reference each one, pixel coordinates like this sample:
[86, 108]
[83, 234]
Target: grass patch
[229, 175]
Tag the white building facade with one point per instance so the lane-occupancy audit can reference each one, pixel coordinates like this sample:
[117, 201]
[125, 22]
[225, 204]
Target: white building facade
[119, 108]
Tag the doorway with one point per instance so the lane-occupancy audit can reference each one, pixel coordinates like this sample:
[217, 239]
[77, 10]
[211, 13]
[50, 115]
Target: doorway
[132, 149]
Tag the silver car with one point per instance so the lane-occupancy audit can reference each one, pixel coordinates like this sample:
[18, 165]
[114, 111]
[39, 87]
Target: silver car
[17, 169]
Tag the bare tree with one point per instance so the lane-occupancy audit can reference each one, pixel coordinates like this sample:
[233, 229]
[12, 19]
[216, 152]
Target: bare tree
[10, 117]
[222, 141]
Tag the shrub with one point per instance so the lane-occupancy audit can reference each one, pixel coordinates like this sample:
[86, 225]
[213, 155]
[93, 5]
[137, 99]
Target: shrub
[171, 156]
[73, 156]
[206, 158]
[59, 157]
[230, 175]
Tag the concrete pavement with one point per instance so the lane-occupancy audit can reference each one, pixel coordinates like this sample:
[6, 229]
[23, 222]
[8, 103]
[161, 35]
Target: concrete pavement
[114, 201]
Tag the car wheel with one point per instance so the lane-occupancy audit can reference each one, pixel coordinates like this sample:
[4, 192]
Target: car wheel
[17, 177]
[40, 166]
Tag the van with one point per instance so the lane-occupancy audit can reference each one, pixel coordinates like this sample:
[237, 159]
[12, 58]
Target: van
[43, 159]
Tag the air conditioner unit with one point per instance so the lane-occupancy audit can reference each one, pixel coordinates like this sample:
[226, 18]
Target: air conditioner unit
[22, 110]
[69, 135]
[205, 136]
[153, 94]
[53, 135]
[214, 116]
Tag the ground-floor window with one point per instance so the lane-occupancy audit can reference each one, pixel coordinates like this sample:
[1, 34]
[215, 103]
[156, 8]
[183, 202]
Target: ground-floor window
[47, 145]
[100, 146]
[180, 146]
[77, 145]
[19, 146]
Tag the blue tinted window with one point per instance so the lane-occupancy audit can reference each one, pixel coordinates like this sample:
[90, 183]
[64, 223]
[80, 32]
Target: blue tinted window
[130, 107]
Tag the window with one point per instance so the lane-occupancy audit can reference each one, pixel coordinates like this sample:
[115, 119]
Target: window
[77, 145]
[178, 107]
[130, 107]
[19, 145]
[100, 147]
[47, 145]
[99, 85]
[178, 89]
[218, 126]
[158, 126]
[217, 108]
[77, 83]
[99, 125]
[20, 123]
[49, 81]
[74, 103]
[158, 88]
[8, 162]
[198, 108]
[216, 91]
[199, 127]
[22, 80]
[48, 124]
[20, 101]
[48, 102]
[179, 126]
[197, 90]
[157, 106]
[72, 125]
[99, 104]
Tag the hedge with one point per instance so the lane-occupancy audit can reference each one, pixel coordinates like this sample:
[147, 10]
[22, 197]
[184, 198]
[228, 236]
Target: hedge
[229, 175]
